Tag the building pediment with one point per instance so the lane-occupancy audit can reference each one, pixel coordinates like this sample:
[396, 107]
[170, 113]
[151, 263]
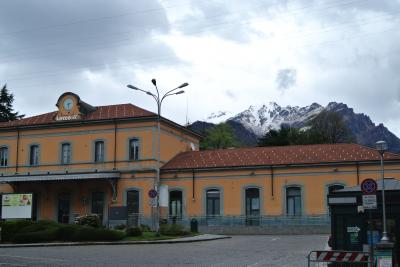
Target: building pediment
[71, 107]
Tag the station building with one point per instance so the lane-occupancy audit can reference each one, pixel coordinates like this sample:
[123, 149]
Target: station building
[82, 159]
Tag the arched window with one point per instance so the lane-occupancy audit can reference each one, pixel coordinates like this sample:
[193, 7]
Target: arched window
[34, 155]
[99, 151]
[213, 202]
[3, 156]
[334, 187]
[293, 201]
[132, 201]
[252, 196]
[134, 149]
[175, 204]
[66, 153]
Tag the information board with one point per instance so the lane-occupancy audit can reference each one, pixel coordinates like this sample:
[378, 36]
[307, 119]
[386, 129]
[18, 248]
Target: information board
[16, 206]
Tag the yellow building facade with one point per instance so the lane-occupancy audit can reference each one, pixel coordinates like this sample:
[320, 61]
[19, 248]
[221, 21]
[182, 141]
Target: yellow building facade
[82, 159]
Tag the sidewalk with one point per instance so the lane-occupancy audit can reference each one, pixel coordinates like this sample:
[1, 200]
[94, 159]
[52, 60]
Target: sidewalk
[190, 239]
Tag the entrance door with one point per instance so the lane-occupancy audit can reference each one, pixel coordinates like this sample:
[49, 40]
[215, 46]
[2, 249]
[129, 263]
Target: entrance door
[63, 207]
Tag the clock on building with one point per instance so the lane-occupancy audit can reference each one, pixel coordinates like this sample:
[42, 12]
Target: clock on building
[68, 104]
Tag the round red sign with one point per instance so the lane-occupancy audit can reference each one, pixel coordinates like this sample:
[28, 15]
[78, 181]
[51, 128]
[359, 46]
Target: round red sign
[152, 193]
[369, 186]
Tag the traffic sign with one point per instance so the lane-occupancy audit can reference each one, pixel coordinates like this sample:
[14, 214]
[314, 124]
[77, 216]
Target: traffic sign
[369, 186]
[369, 201]
[353, 229]
[153, 202]
[152, 193]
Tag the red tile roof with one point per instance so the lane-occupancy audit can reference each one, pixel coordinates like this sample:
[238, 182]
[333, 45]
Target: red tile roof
[282, 155]
[101, 113]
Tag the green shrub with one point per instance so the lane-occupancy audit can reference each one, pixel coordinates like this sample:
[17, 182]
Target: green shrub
[47, 231]
[133, 231]
[66, 232]
[10, 228]
[38, 226]
[46, 235]
[120, 227]
[145, 228]
[92, 220]
[173, 230]
[86, 233]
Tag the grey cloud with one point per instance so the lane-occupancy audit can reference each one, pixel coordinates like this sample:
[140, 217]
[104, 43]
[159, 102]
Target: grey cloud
[286, 78]
[45, 45]
[230, 94]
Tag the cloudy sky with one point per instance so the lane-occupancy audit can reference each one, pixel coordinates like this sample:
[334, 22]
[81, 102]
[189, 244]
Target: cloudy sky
[232, 53]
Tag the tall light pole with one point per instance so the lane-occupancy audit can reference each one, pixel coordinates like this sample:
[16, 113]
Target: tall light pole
[382, 147]
[159, 99]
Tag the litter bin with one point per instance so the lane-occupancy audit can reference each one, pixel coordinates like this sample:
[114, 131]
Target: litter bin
[194, 225]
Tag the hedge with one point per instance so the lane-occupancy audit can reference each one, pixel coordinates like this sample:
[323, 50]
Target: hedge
[173, 230]
[45, 231]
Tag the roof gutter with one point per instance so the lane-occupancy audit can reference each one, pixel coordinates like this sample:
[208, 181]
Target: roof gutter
[67, 124]
[281, 166]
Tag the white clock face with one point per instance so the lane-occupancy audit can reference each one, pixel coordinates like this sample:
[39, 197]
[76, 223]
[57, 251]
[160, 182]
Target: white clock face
[68, 104]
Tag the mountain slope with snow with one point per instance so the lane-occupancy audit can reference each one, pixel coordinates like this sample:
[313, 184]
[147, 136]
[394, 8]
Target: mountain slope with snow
[252, 123]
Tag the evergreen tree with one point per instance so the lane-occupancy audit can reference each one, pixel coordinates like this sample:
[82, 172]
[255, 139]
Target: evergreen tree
[285, 136]
[6, 109]
[328, 127]
[220, 136]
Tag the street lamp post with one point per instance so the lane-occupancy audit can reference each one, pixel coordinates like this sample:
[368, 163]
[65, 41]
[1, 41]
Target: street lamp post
[159, 99]
[382, 147]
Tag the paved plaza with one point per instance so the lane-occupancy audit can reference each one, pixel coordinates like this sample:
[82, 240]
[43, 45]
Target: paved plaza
[249, 251]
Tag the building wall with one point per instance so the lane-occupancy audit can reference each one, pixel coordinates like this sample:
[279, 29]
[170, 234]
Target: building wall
[313, 181]
[82, 140]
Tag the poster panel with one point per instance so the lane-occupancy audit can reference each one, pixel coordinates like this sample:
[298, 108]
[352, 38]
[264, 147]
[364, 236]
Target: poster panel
[16, 206]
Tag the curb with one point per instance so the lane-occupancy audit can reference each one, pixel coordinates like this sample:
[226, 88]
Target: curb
[167, 241]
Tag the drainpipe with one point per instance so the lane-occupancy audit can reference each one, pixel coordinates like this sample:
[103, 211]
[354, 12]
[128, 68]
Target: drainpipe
[115, 145]
[193, 185]
[272, 182]
[17, 154]
[358, 172]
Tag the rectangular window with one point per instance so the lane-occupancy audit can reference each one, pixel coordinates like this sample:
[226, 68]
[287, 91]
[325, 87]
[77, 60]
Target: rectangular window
[99, 151]
[3, 156]
[34, 155]
[66, 153]
[134, 149]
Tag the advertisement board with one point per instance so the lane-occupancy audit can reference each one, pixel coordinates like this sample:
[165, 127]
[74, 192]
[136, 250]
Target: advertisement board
[16, 206]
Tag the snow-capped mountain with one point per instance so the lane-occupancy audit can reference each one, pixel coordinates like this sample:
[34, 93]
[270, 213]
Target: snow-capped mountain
[272, 116]
[254, 122]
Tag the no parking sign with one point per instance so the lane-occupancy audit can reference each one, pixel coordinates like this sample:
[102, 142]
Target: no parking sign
[369, 186]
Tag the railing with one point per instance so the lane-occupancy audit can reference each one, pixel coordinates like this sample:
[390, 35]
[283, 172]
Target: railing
[242, 220]
[136, 219]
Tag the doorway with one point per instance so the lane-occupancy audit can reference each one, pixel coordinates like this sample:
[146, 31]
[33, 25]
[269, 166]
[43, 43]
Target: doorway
[63, 208]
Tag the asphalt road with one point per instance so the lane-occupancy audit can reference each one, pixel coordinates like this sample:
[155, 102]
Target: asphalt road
[252, 251]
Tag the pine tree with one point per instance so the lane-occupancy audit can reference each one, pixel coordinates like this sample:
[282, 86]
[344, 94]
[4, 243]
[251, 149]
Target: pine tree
[6, 109]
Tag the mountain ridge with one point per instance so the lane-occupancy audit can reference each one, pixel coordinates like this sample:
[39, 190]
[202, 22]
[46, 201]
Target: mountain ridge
[252, 123]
